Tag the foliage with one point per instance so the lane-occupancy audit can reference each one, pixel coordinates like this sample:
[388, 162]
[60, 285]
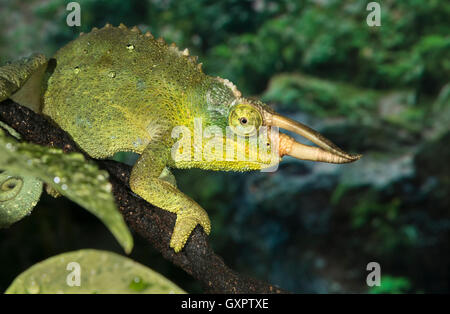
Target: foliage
[320, 97]
[390, 284]
[100, 272]
[69, 175]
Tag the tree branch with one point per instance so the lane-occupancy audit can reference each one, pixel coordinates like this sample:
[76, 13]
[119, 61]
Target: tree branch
[153, 224]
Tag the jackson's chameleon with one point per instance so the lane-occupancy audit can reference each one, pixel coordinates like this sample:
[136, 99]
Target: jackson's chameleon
[116, 90]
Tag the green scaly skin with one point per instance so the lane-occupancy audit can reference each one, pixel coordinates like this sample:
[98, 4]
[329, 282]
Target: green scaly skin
[18, 196]
[116, 90]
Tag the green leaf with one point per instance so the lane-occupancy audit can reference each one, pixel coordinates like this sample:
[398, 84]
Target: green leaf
[99, 272]
[70, 175]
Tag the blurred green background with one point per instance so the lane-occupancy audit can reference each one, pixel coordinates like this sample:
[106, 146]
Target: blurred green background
[309, 227]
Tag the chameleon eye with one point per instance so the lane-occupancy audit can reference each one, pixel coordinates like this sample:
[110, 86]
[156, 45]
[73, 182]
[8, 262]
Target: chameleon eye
[244, 119]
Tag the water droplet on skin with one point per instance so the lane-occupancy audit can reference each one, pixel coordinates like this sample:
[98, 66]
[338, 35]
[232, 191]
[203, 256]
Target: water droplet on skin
[112, 74]
[130, 47]
[137, 284]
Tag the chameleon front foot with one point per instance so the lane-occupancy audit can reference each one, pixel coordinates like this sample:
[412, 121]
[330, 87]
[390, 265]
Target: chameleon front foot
[184, 226]
[151, 180]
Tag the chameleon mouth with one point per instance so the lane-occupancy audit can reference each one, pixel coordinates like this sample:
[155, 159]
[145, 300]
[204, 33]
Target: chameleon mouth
[326, 152]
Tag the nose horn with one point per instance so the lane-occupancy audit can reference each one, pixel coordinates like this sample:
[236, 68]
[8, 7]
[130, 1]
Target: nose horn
[326, 152]
[288, 146]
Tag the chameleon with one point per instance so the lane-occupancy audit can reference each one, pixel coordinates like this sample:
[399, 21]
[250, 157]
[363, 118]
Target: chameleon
[116, 89]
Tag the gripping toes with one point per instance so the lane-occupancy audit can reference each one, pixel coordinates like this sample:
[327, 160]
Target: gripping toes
[185, 223]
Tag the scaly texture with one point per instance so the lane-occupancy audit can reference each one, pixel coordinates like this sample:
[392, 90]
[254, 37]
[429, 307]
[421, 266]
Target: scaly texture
[14, 75]
[116, 89]
[18, 196]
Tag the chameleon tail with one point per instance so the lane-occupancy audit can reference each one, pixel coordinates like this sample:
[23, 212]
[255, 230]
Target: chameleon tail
[18, 196]
[20, 81]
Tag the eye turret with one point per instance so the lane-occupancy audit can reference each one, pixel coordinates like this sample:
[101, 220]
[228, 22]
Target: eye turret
[244, 119]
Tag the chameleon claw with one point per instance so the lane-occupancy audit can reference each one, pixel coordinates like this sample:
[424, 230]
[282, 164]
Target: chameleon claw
[184, 226]
[181, 232]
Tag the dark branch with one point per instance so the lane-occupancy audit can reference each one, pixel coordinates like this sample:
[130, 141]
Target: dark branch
[153, 224]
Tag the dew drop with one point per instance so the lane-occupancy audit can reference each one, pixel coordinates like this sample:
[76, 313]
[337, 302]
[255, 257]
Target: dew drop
[112, 74]
[137, 284]
[33, 287]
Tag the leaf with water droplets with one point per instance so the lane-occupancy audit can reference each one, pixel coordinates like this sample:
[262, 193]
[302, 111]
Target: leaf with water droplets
[94, 272]
[70, 175]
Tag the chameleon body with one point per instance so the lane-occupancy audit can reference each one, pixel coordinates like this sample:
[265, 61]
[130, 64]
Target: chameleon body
[116, 89]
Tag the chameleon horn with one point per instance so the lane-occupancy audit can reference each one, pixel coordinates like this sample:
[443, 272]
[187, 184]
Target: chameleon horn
[288, 146]
[326, 152]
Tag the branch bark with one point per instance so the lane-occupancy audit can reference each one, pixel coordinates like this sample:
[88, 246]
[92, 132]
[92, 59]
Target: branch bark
[153, 224]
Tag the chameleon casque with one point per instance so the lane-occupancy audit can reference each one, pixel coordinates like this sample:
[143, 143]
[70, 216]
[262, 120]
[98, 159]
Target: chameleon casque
[118, 90]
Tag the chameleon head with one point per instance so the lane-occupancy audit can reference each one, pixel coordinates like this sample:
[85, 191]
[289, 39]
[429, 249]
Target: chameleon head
[249, 117]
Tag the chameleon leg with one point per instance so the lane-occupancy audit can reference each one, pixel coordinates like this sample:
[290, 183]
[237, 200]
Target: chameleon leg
[148, 181]
[22, 81]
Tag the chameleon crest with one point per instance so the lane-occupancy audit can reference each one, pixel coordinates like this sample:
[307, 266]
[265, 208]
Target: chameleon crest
[116, 89]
